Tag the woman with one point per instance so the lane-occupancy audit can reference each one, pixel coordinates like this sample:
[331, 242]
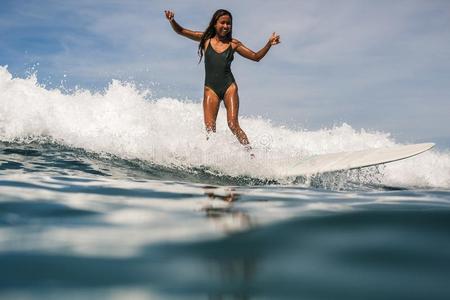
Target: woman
[218, 47]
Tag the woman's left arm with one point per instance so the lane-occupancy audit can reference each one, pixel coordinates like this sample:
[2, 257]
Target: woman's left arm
[257, 56]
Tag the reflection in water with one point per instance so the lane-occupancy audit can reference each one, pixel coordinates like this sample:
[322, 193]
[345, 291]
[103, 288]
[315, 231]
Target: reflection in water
[234, 271]
[227, 194]
[227, 218]
[235, 276]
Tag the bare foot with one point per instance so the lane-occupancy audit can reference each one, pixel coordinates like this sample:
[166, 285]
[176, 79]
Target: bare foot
[249, 149]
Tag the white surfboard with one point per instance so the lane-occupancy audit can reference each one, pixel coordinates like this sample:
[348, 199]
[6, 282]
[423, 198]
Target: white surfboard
[356, 159]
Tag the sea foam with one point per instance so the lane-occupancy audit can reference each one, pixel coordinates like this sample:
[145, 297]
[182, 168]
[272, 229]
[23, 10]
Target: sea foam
[126, 122]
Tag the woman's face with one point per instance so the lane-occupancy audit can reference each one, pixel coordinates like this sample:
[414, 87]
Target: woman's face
[223, 25]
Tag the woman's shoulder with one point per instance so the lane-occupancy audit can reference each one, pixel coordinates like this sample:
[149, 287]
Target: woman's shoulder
[235, 43]
[205, 45]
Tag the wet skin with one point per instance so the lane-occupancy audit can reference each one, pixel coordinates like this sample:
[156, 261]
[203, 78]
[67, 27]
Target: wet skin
[211, 101]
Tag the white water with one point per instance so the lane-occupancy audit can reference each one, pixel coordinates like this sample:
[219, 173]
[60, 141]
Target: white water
[122, 121]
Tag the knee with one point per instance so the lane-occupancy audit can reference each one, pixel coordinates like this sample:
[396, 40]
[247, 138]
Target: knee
[233, 125]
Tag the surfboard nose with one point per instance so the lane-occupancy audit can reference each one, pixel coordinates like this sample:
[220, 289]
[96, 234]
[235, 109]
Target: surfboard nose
[355, 159]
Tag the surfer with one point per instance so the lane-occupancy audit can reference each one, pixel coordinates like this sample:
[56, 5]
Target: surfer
[218, 47]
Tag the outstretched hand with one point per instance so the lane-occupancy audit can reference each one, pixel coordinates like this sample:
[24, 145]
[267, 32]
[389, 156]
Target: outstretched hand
[169, 14]
[274, 39]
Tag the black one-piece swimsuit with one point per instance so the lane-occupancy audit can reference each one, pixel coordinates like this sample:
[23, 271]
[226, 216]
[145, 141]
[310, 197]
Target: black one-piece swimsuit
[218, 76]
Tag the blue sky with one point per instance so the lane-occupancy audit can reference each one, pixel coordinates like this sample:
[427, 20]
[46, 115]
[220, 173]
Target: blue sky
[378, 65]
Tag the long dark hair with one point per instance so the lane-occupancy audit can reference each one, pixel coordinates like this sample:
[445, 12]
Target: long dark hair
[211, 30]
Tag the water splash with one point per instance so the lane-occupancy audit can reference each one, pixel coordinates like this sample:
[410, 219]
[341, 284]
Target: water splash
[126, 122]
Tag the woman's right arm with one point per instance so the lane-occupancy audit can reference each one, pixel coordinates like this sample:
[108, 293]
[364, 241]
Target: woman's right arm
[193, 35]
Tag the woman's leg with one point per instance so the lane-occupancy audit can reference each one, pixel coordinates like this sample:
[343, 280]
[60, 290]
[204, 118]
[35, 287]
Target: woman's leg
[210, 109]
[232, 105]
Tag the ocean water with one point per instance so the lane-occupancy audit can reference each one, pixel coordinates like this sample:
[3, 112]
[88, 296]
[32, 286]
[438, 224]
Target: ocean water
[117, 195]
